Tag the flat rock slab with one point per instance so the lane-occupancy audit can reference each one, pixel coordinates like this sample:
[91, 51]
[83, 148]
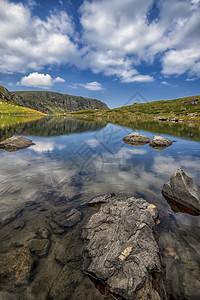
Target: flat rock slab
[121, 249]
[15, 143]
[136, 139]
[16, 264]
[183, 190]
[159, 141]
[68, 219]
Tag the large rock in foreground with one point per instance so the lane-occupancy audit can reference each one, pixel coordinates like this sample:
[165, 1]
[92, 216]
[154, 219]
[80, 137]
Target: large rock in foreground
[184, 190]
[15, 143]
[136, 139]
[121, 249]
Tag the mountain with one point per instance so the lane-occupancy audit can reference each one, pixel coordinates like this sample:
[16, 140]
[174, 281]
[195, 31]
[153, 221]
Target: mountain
[56, 103]
[8, 105]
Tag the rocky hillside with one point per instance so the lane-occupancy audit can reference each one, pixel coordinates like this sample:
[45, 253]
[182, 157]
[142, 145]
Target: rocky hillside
[56, 103]
[8, 106]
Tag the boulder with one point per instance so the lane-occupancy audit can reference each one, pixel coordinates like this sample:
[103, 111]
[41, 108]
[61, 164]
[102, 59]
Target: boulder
[183, 190]
[159, 141]
[193, 101]
[136, 139]
[15, 143]
[121, 250]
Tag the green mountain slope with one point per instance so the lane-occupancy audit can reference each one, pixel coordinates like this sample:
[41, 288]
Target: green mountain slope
[56, 103]
[180, 108]
[9, 106]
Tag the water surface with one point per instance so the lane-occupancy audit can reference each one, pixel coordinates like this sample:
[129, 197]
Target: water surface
[75, 160]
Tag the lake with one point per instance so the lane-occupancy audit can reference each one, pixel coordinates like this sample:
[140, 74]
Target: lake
[73, 161]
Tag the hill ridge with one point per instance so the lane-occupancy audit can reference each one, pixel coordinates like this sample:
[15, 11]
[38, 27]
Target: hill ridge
[56, 103]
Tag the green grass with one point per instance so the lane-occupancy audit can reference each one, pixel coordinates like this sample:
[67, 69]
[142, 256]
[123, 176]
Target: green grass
[12, 109]
[177, 108]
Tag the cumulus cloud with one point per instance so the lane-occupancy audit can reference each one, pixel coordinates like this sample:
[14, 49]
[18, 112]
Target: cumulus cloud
[29, 43]
[58, 79]
[121, 35]
[115, 32]
[38, 80]
[92, 86]
[116, 38]
[165, 83]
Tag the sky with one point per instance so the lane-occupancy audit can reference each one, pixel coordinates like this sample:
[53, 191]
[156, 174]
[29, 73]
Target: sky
[117, 51]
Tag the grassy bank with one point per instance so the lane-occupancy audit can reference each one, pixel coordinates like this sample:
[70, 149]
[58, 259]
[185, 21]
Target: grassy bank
[12, 109]
[180, 109]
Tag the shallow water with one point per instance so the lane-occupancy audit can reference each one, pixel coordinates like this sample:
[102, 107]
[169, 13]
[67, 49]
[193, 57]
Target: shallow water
[73, 161]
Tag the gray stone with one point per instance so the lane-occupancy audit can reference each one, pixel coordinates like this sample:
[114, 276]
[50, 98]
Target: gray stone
[39, 246]
[136, 139]
[15, 143]
[56, 228]
[159, 141]
[121, 249]
[68, 219]
[183, 189]
[193, 101]
[100, 199]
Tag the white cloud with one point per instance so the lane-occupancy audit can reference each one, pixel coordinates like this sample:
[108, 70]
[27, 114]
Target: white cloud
[191, 79]
[115, 32]
[165, 83]
[139, 78]
[38, 80]
[29, 43]
[58, 79]
[92, 86]
[31, 3]
[120, 37]
[116, 37]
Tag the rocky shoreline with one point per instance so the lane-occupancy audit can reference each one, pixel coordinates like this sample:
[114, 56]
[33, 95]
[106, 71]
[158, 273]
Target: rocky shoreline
[115, 247]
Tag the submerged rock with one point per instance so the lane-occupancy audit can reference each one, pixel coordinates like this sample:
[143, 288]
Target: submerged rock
[183, 190]
[68, 219]
[159, 141]
[39, 246]
[136, 139]
[16, 265]
[15, 143]
[121, 249]
[98, 200]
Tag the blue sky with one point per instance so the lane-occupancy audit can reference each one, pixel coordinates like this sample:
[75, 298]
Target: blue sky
[109, 50]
